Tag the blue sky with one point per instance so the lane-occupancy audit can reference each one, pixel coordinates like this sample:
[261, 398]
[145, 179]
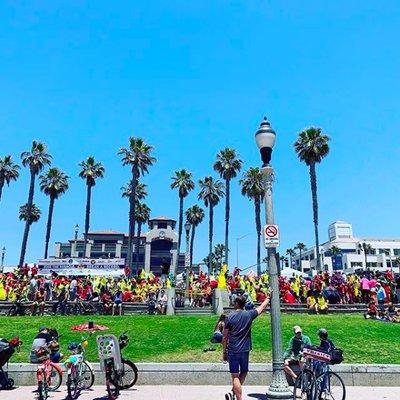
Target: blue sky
[192, 78]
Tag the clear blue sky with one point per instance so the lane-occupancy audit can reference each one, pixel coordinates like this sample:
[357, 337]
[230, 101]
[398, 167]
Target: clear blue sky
[193, 77]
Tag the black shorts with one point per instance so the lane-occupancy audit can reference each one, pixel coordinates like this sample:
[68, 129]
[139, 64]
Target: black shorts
[238, 362]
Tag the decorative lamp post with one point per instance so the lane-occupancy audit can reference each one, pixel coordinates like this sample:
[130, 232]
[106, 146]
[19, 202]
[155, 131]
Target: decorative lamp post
[187, 255]
[279, 389]
[76, 239]
[3, 253]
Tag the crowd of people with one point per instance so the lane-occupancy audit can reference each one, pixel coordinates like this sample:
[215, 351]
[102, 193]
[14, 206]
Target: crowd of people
[317, 292]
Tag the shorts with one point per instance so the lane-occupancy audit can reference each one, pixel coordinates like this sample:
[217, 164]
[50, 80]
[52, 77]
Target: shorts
[238, 362]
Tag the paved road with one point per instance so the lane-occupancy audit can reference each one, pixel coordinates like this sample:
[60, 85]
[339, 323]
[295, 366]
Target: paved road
[195, 393]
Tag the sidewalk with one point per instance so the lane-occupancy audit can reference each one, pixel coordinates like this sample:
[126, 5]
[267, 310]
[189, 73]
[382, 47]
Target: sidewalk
[193, 393]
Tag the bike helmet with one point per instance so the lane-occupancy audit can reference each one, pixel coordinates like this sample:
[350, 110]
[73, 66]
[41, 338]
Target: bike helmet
[72, 346]
[322, 333]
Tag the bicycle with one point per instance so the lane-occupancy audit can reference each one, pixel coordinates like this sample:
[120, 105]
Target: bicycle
[80, 374]
[48, 374]
[120, 373]
[314, 385]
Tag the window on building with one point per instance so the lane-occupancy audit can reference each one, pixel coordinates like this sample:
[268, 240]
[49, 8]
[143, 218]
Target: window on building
[162, 225]
[312, 256]
[396, 252]
[343, 232]
[356, 264]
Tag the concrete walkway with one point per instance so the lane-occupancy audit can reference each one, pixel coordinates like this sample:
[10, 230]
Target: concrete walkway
[194, 393]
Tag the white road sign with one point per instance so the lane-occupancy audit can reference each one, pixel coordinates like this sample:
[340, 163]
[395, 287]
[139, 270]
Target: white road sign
[271, 236]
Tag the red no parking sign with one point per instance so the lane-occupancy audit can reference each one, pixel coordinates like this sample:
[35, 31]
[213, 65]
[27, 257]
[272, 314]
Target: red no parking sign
[271, 236]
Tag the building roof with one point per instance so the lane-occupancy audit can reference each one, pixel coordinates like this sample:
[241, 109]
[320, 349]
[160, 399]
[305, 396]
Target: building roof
[162, 218]
[106, 232]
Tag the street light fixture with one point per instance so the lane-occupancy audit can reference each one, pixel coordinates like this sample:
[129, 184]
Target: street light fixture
[3, 253]
[265, 139]
[76, 239]
[187, 255]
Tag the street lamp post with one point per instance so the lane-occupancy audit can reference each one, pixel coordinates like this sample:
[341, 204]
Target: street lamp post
[3, 253]
[76, 239]
[265, 139]
[187, 255]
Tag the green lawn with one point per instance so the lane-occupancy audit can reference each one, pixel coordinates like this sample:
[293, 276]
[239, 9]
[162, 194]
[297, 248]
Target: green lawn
[182, 339]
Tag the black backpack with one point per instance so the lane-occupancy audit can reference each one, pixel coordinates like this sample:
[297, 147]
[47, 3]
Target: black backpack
[337, 356]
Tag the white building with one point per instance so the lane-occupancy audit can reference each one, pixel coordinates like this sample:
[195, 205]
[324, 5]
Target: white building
[350, 254]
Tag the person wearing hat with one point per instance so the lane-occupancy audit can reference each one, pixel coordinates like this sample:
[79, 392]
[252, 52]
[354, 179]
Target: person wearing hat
[293, 354]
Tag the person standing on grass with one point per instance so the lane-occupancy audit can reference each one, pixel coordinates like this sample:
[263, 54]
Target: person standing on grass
[236, 343]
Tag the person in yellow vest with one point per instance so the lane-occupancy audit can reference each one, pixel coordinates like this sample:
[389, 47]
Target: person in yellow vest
[322, 304]
[312, 303]
[222, 278]
[3, 294]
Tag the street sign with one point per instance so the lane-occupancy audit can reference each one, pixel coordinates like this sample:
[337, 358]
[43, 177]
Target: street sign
[271, 236]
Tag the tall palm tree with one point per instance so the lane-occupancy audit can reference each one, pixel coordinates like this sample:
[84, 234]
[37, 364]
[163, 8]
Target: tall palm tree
[300, 246]
[211, 193]
[291, 253]
[182, 180]
[141, 191]
[35, 159]
[228, 165]
[53, 183]
[138, 156]
[283, 261]
[367, 249]
[311, 147]
[253, 187]
[194, 216]
[91, 170]
[142, 216]
[29, 214]
[9, 171]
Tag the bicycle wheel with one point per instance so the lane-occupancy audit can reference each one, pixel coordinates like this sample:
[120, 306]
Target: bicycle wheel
[128, 375]
[304, 386]
[86, 378]
[55, 379]
[330, 386]
[72, 384]
[112, 388]
[42, 391]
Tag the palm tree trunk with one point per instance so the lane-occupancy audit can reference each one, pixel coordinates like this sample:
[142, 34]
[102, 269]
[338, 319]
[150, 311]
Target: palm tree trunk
[27, 222]
[210, 236]
[227, 212]
[1, 187]
[48, 230]
[313, 181]
[87, 215]
[301, 269]
[257, 209]
[139, 231]
[191, 244]
[179, 233]
[365, 256]
[132, 210]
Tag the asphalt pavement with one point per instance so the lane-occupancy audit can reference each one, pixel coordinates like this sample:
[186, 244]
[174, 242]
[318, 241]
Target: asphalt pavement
[193, 393]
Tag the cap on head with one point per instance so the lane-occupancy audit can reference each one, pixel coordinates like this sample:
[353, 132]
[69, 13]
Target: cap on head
[297, 329]
[322, 333]
[42, 328]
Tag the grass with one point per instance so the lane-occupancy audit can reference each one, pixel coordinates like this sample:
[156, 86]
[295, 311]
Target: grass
[183, 338]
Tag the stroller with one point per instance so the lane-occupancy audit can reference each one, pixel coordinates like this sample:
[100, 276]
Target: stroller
[7, 349]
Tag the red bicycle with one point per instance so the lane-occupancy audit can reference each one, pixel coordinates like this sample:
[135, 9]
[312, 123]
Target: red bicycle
[48, 374]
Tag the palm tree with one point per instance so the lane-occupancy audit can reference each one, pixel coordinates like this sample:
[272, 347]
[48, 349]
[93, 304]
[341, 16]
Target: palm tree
[184, 183]
[228, 166]
[35, 159]
[211, 193]
[283, 261]
[91, 170]
[334, 251]
[29, 214]
[141, 191]
[138, 157]
[253, 187]
[291, 253]
[311, 147]
[53, 184]
[8, 172]
[367, 249]
[219, 254]
[300, 246]
[194, 216]
[142, 214]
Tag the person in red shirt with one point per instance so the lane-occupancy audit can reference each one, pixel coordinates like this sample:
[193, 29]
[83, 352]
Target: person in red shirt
[261, 296]
[127, 296]
[288, 297]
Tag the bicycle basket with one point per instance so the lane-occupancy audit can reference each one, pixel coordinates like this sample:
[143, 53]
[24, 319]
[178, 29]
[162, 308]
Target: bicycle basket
[315, 353]
[336, 356]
